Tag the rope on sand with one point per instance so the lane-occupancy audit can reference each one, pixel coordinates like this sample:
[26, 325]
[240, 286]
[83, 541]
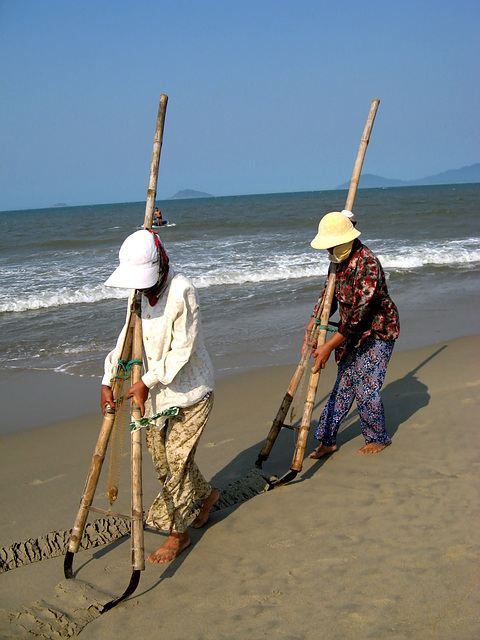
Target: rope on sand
[105, 530]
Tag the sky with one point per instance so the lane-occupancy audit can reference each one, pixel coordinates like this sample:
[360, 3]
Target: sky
[264, 96]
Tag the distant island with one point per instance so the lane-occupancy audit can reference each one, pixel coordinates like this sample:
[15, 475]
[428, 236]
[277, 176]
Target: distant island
[453, 176]
[190, 193]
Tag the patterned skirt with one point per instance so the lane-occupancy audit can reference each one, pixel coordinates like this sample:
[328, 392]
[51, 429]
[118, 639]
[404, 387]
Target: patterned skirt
[181, 482]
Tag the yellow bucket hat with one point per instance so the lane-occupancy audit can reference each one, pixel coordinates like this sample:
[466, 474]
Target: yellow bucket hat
[334, 229]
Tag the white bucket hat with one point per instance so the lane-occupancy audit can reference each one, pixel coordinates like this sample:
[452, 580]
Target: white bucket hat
[334, 229]
[138, 262]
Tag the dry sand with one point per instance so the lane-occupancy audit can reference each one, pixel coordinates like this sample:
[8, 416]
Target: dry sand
[383, 546]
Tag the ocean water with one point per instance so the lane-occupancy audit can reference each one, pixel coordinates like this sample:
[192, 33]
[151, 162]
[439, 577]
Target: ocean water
[251, 260]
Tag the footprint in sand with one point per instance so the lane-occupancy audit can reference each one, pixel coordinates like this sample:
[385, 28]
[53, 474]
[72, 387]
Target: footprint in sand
[281, 544]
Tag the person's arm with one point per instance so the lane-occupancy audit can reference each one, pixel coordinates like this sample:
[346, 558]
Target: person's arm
[110, 371]
[106, 398]
[310, 325]
[139, 392]
[322, 353]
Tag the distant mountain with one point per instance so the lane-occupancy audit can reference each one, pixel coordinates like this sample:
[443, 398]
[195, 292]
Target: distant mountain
[190, 193]
[453, 176]
[371, 181]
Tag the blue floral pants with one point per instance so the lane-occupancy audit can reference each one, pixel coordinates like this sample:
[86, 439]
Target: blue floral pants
[360, 377]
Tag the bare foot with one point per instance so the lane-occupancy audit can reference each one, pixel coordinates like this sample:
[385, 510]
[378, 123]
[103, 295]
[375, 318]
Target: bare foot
[171, 548]
[207, 504]
[322, 450]
[372, 448]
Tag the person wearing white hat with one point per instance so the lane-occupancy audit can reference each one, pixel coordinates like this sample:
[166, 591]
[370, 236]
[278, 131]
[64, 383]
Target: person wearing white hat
[178, 383]
[363, 344]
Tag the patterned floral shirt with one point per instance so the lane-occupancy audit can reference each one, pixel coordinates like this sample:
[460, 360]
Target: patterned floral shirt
[364, 304]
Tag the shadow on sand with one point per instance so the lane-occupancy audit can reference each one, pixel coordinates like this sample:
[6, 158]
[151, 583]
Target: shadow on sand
[402, 398]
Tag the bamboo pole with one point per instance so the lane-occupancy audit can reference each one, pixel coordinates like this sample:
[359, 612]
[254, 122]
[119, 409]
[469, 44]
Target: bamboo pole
[278, 422]
[137, 538]
[101, 446]
[299, 453]
[357, 170]
[157, 147]
[132, 343]
[323, 314]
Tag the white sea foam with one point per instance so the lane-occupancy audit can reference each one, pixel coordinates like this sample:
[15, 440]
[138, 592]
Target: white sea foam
[453, 254]
[64, 296]
[243, 271]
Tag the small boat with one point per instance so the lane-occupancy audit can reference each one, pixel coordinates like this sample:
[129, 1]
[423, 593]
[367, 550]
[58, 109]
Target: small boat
[157, 227]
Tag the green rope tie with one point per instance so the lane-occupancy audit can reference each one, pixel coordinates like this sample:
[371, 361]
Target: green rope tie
[125, 368]
[144, 422]
[324, 327]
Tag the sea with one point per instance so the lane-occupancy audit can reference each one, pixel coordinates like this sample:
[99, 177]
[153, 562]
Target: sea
[250, 258]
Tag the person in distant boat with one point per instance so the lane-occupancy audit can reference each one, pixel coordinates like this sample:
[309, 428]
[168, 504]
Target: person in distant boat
[158, 217]
[363, 344]
[178, 382]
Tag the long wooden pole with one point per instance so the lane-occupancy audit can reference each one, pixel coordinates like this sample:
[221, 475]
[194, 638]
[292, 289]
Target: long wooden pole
[100, 448]
[278, 422]
[131, 349]
[137, 539]
[357, 170]
[299, 453]
[323, 314]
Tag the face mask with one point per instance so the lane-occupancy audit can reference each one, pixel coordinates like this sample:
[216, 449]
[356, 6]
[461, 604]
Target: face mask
[341, 252]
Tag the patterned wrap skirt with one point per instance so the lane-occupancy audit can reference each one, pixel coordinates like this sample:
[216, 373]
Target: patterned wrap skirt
[181, 482]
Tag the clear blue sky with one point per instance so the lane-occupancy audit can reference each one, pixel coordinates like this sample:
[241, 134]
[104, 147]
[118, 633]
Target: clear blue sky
[264, 95]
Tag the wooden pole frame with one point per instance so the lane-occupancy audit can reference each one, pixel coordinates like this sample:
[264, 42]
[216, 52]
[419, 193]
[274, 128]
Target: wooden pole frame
[323, 315]
[132, 349]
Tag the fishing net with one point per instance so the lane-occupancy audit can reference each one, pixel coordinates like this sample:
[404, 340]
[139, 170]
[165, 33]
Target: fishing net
[298, 401]
[116, 448]
[310, 342]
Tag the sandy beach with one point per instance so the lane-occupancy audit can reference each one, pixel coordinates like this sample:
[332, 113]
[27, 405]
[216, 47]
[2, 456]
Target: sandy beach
[383, 546]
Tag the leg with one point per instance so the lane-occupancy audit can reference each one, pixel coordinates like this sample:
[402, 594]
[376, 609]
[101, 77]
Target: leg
[207, 504]
[183, 483]
[171, 548]
[336, 409]
[371, 367]
[176, 542]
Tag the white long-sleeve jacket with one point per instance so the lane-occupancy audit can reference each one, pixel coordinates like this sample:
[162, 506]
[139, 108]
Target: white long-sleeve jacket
[178, 369]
